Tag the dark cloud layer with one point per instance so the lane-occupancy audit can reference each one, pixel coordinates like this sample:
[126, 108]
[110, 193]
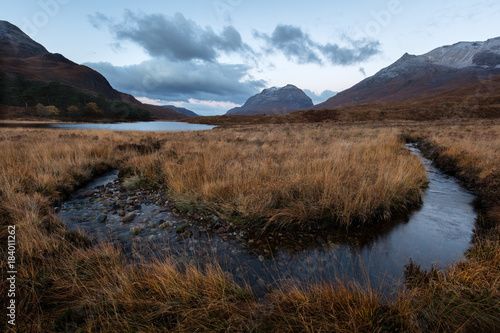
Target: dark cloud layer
[295, 44]
[175, 38]
[185, 57]
[174, 81]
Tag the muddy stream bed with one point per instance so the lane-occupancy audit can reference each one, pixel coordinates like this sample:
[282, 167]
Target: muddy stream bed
[144, 224]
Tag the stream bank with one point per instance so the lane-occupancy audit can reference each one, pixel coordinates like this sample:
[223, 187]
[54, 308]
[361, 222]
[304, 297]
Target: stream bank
[144, 224]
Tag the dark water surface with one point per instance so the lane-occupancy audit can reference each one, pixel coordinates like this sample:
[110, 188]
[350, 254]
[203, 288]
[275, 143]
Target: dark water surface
[438, 233]
[156, 126]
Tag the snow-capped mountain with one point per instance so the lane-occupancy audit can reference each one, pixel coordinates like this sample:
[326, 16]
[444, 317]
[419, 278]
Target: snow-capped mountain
[464, 54]
[411, 77]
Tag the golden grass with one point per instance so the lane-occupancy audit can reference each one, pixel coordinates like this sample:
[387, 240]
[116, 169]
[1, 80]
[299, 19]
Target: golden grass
[290, 177]
[340, 308]
[65, 285]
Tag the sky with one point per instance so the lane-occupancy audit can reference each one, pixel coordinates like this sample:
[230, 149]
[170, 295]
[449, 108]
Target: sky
[211, 55]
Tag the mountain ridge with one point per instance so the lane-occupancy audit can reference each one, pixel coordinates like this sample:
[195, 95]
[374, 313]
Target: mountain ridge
[411, 76]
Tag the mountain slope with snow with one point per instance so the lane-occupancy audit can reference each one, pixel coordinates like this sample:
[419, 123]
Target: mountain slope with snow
[412, 77]
[466, 54]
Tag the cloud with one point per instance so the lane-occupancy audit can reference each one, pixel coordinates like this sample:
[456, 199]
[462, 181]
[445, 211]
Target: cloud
[174, 81]
[359, 52]
[292, 42]
[99, 20]
[175, 38]
[298, 45]
[319, 98]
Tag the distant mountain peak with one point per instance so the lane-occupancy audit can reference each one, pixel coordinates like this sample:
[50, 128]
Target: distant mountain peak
[275, 100]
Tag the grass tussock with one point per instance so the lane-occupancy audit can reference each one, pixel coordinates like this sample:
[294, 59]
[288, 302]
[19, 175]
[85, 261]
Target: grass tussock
[107, 296]
[341, 308]
[290, 177]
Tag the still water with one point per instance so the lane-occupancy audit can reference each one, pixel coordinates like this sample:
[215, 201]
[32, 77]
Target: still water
[156, 126]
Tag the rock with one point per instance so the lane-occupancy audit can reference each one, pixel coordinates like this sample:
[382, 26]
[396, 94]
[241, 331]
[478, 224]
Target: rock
[182, 227]
[261, 258]
[137, 207]
[165, 225]
[121, 212]
[153, 225]
[135, 230]
[90, 193]
[102, 218]
[128, 218]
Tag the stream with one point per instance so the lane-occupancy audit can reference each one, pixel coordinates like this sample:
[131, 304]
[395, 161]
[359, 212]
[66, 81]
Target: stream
[144, 224]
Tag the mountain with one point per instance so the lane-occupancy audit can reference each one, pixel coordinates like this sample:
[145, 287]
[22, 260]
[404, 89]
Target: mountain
[274, 101]
[184, 111]
[413, 77]
[25, 63]
[15, 43]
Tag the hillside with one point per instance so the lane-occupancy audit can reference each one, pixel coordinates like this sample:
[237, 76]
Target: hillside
[25, 63]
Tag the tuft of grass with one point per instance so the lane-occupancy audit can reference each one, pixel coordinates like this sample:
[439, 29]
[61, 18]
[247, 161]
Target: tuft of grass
[291, 177]
[341, 308]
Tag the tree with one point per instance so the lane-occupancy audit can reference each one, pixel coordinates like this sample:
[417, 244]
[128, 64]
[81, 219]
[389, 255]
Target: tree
[52, 111]
[41, 110]
[93, 109]
[74, 111]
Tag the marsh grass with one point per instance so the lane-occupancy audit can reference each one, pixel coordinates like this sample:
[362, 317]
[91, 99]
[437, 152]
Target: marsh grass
[292, 177]
[66, 285]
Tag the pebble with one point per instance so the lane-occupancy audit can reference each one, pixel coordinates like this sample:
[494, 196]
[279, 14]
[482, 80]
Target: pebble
[165, 225]
[182, 227]
[128, 218]
[102, 218]
[135, 230]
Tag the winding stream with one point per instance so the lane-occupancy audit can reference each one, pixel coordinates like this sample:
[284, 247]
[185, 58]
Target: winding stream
[144, 224]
